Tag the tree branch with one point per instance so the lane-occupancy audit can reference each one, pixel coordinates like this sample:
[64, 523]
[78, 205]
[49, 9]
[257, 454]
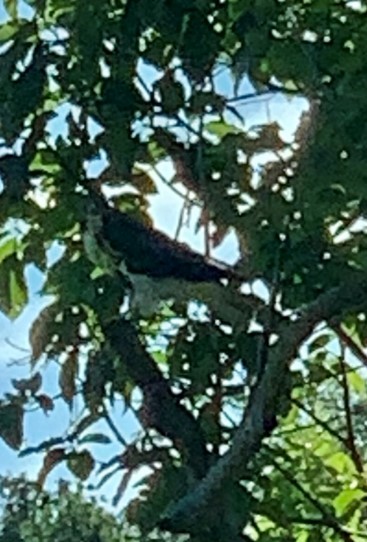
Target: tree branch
[161, 408]
[265, 403]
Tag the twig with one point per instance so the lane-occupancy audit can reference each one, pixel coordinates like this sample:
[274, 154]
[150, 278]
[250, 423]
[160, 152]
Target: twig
[113, 427]
[173, 188]
[350, 440]
[271, 89]
[350, 343]
[16, 346]
[185, 124]
[181, 218]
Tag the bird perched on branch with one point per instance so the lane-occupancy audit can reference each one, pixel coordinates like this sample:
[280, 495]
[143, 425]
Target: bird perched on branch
[146, 251]
[151, 261]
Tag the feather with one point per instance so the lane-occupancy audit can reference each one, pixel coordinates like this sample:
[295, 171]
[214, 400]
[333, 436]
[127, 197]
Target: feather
[148, 252]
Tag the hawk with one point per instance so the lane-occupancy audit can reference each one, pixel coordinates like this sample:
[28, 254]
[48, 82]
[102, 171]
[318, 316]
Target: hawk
[157, 267]
[146, 251]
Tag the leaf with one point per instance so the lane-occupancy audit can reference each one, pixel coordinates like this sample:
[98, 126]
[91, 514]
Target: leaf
[7, 31]
[357, 383]
[172, 94]
[209, 422]
[11, 424]
[98, 438]
[143, 182]
[268, 138]
[32, 384]
[221, 129]
[39, 335]
[18, 294]
[162, 486]
[45, 402]
[51, 459]
[11, 7]
[341, 463]
[319, 342]
[69, 371]
[7, 248]
[81, 464]
[345, 498]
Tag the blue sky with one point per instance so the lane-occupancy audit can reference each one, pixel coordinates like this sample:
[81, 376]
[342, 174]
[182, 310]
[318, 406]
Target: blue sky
[165, 208]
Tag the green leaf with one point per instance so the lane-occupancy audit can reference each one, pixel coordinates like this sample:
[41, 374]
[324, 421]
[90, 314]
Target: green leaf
[341, 463]
[11, 7]
[97, 438]
[7, 31]
[81, 464]
[221, 129]
[357, 383]
[13, 290]
[8, 248]
[18, 294]
[345, 498]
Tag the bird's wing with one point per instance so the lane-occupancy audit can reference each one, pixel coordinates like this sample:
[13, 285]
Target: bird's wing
[151, 253]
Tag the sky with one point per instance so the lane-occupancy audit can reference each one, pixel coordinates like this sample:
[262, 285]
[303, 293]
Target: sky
[165, 208]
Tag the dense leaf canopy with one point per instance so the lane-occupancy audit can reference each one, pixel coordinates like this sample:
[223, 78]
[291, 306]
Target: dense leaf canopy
[28, 514]
[250, 395]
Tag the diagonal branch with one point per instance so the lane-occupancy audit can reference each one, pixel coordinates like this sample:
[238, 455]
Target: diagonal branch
[351, 439]
[161, 407]
[266, 402]
[348, 341]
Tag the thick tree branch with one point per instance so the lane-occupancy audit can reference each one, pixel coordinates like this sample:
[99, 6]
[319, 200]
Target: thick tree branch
[265, 403]
[161, 408]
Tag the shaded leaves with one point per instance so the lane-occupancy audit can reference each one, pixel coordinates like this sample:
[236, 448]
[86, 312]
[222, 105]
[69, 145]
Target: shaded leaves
[11, 424]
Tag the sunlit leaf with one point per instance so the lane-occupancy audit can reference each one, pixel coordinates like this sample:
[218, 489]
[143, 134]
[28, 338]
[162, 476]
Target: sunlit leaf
[346, 498]
[357, 383]
[8, 248]
[220, 128]
[18, 293]
[341, 463]
[7, 31]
